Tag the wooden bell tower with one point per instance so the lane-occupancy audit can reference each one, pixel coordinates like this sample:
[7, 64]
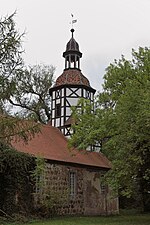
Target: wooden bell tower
[70, 86]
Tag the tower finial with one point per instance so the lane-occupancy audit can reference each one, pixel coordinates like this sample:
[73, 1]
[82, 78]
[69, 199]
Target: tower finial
[72, 30]
[72, 20]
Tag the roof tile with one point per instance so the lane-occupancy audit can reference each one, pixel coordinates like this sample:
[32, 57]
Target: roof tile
[51, 144]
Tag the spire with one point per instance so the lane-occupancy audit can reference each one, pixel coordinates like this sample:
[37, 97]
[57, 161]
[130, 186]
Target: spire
[72, 31]
[72, 54]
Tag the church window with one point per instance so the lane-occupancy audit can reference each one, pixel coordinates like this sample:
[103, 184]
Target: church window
[58, 110]
[72, 184]
[103, 185]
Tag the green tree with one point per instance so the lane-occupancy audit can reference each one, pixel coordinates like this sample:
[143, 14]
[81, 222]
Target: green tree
[22, 86]
[11, 64]
[10, 54]
[121, 123]
[10, 45]
[31, 92]
[16, 183]
[22, 89]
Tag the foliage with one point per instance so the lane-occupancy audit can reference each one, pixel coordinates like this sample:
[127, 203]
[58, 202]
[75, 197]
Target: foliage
[10, 45]
[26, 88]
[15, 180]
[16, 128]
[31, 92]
[85, 122]
[10, 58]
[38, 175]
[11, 64]
[121, 123]
[47, 198]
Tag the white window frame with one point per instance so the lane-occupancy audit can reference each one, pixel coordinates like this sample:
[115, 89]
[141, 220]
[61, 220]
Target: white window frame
[72, 184]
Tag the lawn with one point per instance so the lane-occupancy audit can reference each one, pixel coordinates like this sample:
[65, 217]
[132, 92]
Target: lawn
[143, 219]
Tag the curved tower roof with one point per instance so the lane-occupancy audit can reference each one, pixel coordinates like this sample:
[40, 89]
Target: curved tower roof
[72, 47]
[72, 74]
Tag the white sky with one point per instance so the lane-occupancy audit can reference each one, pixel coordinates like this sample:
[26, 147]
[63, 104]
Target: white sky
[105, 30]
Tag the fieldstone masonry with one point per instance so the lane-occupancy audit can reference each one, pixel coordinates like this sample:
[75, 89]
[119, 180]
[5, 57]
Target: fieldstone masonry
[89, 197]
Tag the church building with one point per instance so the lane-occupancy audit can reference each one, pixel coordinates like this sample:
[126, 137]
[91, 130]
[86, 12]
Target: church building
[77, 175]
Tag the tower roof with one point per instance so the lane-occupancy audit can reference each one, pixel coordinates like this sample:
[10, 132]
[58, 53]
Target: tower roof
[72, 76]
[72, 45]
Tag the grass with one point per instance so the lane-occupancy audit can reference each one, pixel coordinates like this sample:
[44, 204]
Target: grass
[141, 219]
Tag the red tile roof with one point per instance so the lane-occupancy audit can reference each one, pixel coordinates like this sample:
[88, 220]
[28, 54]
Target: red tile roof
[72, 76]
[51, 144]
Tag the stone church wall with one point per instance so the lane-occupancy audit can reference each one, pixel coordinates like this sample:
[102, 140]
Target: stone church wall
[97, 196]
[88, 197]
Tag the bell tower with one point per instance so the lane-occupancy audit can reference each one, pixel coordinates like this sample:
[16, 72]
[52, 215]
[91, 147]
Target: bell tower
[69, 87]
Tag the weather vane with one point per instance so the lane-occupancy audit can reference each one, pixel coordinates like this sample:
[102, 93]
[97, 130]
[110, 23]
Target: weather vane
[72, 20]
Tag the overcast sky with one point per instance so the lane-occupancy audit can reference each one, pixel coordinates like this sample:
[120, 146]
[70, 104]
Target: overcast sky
[105, 30]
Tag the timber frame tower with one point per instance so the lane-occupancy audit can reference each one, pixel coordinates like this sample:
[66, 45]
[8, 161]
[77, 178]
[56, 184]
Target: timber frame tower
[69, 87]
